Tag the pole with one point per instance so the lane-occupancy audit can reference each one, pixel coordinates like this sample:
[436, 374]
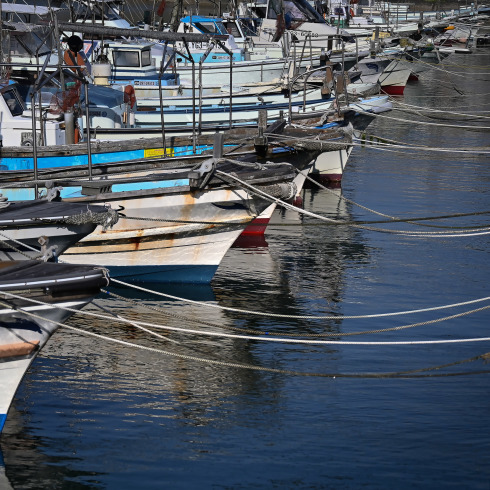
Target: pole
[231, 90]
[34, 142]
[89, 149]
[162, 118]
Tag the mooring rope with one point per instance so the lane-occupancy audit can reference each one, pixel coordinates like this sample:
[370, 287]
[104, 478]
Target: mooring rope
[9, 245]
[424, 123]
[444, 70]
[282, 334]
[416, 372]
[381, 144]
[267, 338]
[431, 109]
[421, 234]
[300, 317]
[134, 324]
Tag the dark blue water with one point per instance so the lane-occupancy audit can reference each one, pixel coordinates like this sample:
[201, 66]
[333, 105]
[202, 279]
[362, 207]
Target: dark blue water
[94, 414]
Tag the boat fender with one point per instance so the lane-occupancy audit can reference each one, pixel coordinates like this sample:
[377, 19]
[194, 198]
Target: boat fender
[129, 95]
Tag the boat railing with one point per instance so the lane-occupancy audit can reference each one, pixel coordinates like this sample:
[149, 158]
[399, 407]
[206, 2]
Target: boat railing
[41, 81]
[188, 56]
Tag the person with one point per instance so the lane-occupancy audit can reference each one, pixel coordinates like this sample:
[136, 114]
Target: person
[75, 57]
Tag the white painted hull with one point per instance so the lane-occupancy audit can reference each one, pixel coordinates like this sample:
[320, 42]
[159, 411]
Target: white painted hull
[392, 79]
[243, 72]
[61, 236]
[329, 167]
[13, 334]
[165, 251]
[220, 113]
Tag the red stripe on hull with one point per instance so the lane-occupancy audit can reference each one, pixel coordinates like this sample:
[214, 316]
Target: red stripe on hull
[393, 89]
[256, 227]
[330, 180]
[298, 202]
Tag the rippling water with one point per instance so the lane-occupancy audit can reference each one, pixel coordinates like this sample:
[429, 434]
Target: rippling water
[95, 414]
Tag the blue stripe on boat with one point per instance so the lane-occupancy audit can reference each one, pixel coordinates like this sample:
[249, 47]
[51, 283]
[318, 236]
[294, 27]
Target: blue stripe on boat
[192, 274]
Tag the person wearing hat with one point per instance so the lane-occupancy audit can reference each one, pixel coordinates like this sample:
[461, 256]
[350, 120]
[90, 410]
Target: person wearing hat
[73, 56]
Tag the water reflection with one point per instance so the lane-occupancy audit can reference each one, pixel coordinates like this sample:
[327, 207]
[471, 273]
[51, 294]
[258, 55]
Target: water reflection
[25, 464]
[92, 413]
[95, 382]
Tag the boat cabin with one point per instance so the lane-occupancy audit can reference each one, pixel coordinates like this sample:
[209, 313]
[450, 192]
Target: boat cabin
[134, 62]
[294, 15]
[211, 25]
[102, 12]
[16, 122]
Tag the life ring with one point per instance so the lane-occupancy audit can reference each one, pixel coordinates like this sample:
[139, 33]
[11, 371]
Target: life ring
[129, 95]
[351, 12]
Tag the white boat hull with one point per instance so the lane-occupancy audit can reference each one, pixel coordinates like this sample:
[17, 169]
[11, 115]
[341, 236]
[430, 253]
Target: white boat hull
[161, 251]
[19, 344]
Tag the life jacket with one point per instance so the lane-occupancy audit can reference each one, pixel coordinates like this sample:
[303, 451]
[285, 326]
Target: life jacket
[74, 59]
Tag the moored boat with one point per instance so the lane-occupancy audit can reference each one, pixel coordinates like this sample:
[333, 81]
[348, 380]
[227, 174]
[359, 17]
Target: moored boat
[177, 225]
[25, 325]
[46, 228]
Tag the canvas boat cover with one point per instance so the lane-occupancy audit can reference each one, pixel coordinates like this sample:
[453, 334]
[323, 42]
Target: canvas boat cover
[19, 275]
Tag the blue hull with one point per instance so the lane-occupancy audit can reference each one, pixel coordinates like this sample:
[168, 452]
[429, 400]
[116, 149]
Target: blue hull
[190, 274]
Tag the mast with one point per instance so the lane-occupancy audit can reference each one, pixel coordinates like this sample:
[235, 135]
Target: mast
[1, 41]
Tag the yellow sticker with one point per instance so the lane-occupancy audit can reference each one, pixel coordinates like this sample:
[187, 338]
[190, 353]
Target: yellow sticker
[158, 152]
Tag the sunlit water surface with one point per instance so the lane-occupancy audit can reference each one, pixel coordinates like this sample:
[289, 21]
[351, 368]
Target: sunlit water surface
[95, 414]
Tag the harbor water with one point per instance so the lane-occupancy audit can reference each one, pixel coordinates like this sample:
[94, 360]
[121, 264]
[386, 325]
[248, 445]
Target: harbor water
[357, 411]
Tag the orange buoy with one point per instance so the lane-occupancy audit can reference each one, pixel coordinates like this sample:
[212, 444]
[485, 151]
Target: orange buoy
[129, 95]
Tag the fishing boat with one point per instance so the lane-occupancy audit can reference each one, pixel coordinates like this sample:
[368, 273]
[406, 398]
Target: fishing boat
[105, 157]
[32, 297]
[45, 228]
[176, 225]
[389, 72]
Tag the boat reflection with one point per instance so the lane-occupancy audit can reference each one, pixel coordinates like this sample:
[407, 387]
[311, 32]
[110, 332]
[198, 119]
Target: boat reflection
[24, 461]
[82, 385]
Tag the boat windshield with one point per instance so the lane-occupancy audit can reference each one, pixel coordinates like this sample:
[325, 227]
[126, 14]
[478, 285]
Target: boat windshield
[126, 58]
[211, 27]
[294, 11]
[13, 102]
[146, 57]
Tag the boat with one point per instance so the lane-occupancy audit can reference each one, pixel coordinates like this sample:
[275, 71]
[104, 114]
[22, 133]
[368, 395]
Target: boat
[387, 71]
[45, 228]
[19, 162]
[33, 294]
[177, 225]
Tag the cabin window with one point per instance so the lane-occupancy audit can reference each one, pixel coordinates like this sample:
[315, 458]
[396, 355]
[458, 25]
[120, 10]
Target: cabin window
[13, 102]
[126, 58]
[295, 12]
[146, 57]
[208, 28]
[231, 28]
